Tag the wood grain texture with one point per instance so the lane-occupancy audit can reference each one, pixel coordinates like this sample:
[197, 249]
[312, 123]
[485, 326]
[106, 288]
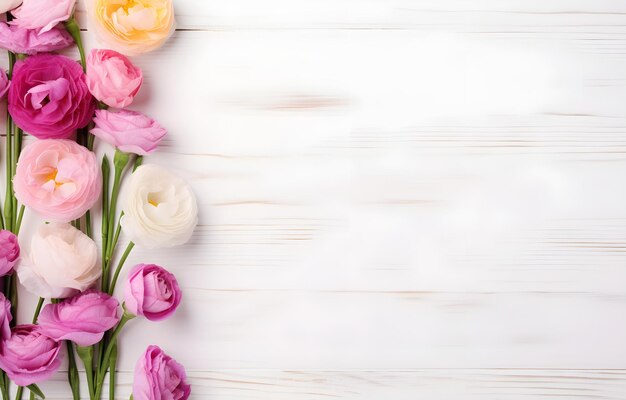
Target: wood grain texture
[399, 199]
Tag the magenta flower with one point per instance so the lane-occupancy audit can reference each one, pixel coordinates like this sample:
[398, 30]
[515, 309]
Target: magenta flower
[5, 317]
[151, 291]
[28, 356]
[83, 319]
[129, 131]
[159, 376]
[48, 96]
[30, 41]
[112, 78]
[4, 83]
[9, 252]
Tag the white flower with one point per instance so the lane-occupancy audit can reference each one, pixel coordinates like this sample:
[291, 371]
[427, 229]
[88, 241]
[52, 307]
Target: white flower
[8, 5]
[62, 260]
[160, 209]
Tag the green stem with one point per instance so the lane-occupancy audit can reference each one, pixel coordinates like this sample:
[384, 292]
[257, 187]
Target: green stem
[19, 219]
[120, 264]
[104, 363]
[106, 171]
[74, 30]
[112, 370]
[38, 309]
[8, 201]
[18, 393]
[86, 354]
[72, 371]
[120, 161]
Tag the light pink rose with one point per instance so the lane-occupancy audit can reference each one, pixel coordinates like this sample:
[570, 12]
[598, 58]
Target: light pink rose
[151, 291]
[83, 319]
[112, 78]
[29, 41]
[9, 252]
[4, 83]
[57, 178]
[42, 15]
[158, 376]
[129, 131]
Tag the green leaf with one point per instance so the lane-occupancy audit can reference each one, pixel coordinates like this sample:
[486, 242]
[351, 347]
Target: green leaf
[35, 389]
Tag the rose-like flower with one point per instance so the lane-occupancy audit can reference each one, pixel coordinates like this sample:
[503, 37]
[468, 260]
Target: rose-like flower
[8, 5]
[160, 209]
[129, 131]
[42, 14]
[112, 78]
[30, 41]
[4, 83]
[5, 318]
[57, 178]
[132, 26]
[28, 356]
[48, 96]
[83, 319]
[62, 261]
[151, 291]
[159, 376]
[9, 252]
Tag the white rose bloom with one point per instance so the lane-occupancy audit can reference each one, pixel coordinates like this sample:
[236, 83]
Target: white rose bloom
[62, 260]
[8, 5]
[160, 209]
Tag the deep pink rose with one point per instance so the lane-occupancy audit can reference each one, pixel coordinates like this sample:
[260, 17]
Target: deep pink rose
[158, 376]
[42, 14]
[129, 131]
[83, 319]
[9, 252]
[112, 78]
[57, 178]
[28, 356]
[5, 317]
[29, 41]
[4, 83]
[48, 96]
[151, 291]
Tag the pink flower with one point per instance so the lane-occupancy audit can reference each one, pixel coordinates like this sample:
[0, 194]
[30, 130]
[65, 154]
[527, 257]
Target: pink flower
[29, 41]
[48, 96]
[57, 178]
[112, 78]
[159, 376]
[4, 83]
[9, 252]
[42, 14]
[83, 319]
[5, 317]
[28, 356]
[129, 131]
[151, 291]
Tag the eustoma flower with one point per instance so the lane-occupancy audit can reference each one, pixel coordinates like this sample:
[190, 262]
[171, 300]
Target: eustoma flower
[132, 26]
[8, 5]
[48, 97]
[129, 131]
[62, 261]
[42, 14]
[28, 356]
[29, 41]
[57, 178]
[83, 319]
[4, 83]
[112, 78]
[9, 252]
[151, 291]
[160, 210]
[159, 376]
[5, 318]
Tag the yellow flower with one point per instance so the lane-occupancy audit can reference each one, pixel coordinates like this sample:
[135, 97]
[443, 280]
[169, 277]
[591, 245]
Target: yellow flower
[132, 26]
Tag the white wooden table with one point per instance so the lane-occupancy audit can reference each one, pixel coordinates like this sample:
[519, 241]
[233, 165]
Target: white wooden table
[400, 199]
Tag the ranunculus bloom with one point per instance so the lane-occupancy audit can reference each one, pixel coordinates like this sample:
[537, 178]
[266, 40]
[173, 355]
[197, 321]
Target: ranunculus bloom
[112, 78]
[151, 291]
[158, 376]
[4, 83]
[9, 252]
[129, 131]
[29, 41]
[8, 5]
[83, 319]
[48, 96]
[5, 318]
[132, 26]
[28, 356]
[62, 261]
[42, 14]
[160, 210]
[57, 178]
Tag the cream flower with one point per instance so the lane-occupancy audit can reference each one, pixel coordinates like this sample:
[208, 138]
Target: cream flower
[160, 209]
[62, 260]
[132, 26]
